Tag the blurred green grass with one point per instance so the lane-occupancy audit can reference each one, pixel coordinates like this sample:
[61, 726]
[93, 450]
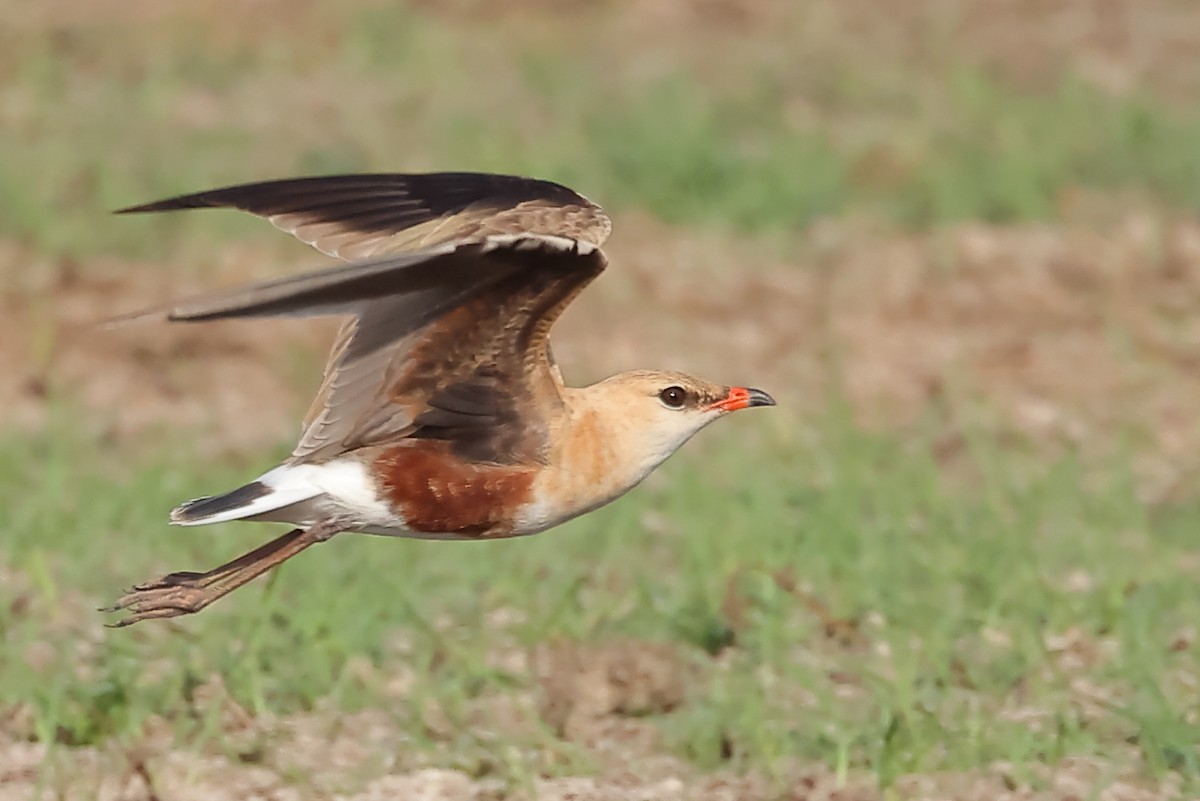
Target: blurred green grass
[955, 596]
[956, 592]
[96, 128]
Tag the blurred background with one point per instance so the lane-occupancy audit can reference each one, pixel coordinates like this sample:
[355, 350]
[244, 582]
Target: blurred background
[957, 241]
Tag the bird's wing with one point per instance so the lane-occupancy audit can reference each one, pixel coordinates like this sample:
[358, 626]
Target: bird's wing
[450, 342]
[448, 337]
[355, 217]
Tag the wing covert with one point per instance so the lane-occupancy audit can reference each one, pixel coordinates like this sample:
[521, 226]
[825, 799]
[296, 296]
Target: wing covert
[455, 281]
[361, 216]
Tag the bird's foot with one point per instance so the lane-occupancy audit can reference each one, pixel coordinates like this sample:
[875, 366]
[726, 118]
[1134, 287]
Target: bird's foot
[185, 592]
[172, 595]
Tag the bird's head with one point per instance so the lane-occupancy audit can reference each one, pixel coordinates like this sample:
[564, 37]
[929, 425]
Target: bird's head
[661, 410]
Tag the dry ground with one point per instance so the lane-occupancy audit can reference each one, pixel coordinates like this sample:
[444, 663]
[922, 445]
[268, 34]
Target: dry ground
[1054, 335]
[594, 696]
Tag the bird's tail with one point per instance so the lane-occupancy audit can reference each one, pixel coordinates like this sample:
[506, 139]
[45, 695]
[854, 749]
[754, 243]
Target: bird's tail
[276, 490]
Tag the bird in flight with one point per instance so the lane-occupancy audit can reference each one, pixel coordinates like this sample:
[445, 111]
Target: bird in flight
[442, 413]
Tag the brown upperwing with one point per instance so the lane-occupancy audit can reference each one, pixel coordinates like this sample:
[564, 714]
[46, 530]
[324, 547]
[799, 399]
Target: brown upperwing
[357, 216]
[450, 342]
[477, 375]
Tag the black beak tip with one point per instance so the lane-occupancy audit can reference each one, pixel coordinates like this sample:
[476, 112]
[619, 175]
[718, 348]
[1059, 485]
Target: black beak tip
[760, 398]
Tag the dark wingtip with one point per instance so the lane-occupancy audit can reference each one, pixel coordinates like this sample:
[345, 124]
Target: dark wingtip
[169, 204]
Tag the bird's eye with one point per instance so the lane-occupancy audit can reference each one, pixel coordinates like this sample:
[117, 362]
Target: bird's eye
[673, 397]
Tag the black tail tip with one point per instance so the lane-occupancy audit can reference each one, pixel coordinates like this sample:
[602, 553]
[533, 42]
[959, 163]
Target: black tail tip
[200, 508]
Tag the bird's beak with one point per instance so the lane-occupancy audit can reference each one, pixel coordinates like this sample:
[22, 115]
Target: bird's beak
[742, 398]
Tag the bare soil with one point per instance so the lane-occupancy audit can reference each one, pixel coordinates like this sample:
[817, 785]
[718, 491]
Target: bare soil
[1065, 336]
[1070, 336]
[605, 689]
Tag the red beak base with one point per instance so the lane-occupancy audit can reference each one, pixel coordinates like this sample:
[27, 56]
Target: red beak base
[743, 398]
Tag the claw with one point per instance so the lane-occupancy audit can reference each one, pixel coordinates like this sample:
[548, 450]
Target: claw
[170, 596]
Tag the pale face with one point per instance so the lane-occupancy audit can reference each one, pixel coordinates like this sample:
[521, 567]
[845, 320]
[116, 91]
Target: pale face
[662, 410]
[619, 430]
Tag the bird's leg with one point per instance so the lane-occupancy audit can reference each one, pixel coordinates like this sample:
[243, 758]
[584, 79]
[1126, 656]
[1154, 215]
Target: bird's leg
[186, 592]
